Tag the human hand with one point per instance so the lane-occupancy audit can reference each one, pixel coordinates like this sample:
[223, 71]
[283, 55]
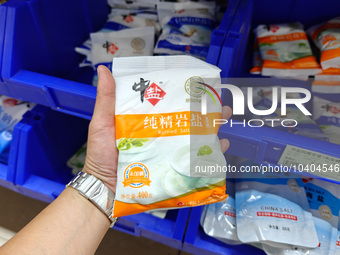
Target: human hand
[102, 154]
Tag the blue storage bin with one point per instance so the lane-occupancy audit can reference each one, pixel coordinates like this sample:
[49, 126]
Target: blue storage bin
[39, 61]
[197, 242]
[266, 144]
[7, 171]
[3, 12]
[9, 156]
[237, 51]
[169, 231]
[219, 34]
[47, 140]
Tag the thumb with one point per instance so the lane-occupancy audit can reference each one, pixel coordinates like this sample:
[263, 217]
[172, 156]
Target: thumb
[104, 109]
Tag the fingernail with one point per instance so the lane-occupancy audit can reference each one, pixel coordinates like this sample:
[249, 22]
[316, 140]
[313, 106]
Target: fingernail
[99, 70]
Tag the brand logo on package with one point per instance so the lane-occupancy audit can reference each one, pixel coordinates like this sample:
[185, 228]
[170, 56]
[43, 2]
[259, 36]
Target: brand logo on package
[153, 93]
[138, 44]
[128, 18]
[110, 47]
[325, 212]
[136, 175]
[196, 87]
[330, 108]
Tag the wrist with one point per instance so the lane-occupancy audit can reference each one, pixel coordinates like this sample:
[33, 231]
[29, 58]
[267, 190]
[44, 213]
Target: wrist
[86, 206]
[109, 181]
[93, 189]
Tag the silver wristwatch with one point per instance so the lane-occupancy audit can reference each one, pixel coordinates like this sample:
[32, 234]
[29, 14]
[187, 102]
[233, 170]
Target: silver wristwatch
[96, 191]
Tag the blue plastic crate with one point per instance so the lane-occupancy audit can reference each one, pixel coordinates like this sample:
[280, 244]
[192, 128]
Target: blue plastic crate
[9, 156]
[197, 242]
[7, 170]
[47, 140]
[237, 54]
[218, 35]
[266, 144]
[169, 231]
[39, 61]
[3, 12]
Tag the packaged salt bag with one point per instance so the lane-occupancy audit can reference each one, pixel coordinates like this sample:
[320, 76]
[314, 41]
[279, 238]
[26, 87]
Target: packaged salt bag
[219, 219]
[285, 50]
[324, 206]
[327, 37]
[187, 28]
[273, 209]
[164, 141]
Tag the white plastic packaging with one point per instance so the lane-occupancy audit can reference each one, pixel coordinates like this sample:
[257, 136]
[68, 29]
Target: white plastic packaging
[124, 43]
[327, 37]
[11, 112]
[219, 219]
[274, 211]
[285, 51]
[158, 134]
[327, 115]
[118, 23]
[187, 28]
[136, 11]
[324, 206]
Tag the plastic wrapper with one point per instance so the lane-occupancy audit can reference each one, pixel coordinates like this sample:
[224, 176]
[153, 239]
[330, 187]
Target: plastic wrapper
[274, 211]
[118, 23]
[327, 37]
[219, 219]
[326, 107]
[11, 112]
[147, 13]
[124, 43]
[285, 51]
[159, 134]
[324, 206]
[187, 28]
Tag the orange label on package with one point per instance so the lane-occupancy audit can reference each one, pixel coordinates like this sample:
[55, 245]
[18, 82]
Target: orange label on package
[324, 27]
[165, 124]
[136, 175]
[330, 54]
[281, 38]
[302, 63]
[197, 198]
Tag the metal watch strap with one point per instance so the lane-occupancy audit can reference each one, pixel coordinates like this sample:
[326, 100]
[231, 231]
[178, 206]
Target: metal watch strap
[96, 191]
